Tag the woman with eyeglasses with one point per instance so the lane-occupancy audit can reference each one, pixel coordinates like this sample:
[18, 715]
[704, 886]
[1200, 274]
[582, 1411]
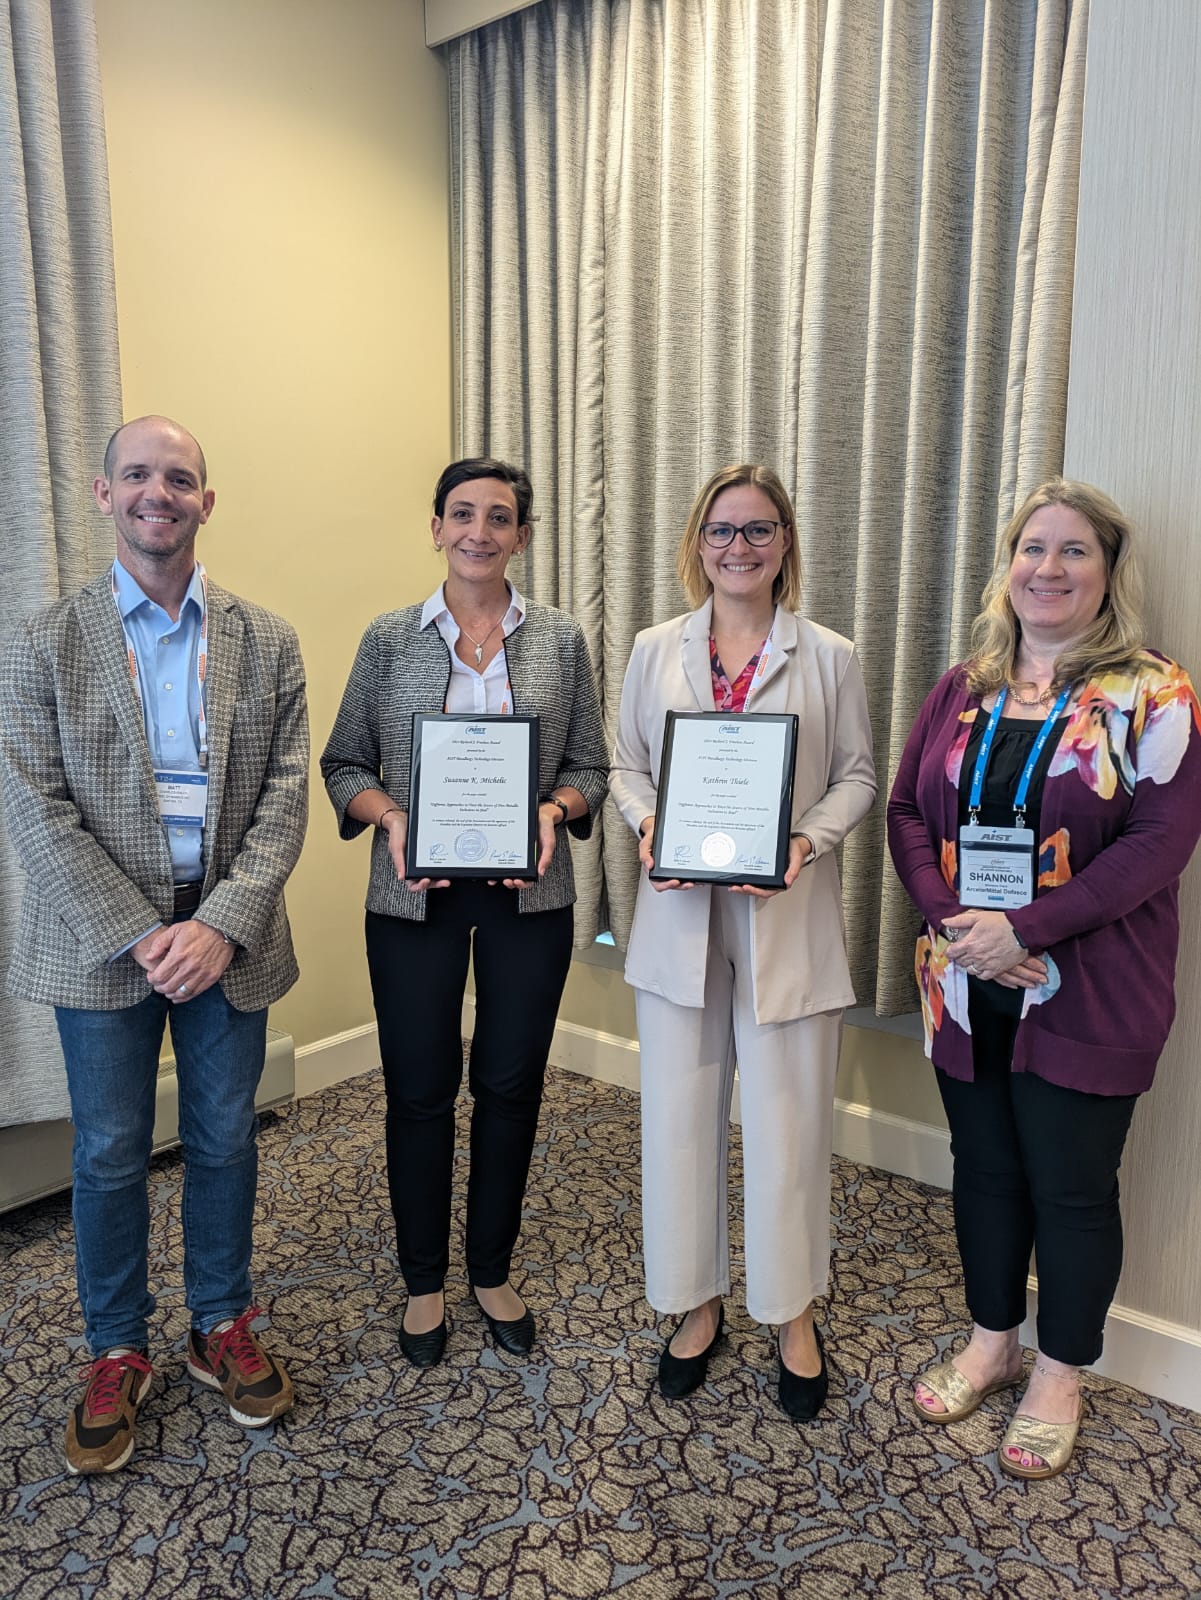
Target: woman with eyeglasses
[743, 974]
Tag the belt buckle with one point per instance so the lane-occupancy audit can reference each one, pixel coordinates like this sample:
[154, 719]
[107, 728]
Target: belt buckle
[185, 899]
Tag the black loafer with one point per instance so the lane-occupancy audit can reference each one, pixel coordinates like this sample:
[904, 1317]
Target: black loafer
[424, 1349]
[680, 1375]
[516, 1336]
[803, 1398]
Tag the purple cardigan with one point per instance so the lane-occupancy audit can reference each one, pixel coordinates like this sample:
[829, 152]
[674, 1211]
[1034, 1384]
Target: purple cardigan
[1121, 813]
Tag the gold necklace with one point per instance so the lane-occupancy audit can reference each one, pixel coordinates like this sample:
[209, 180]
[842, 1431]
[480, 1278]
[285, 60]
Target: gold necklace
[1044, 699]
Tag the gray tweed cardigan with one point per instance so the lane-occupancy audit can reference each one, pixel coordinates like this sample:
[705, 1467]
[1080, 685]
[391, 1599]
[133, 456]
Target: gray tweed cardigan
[402, 668]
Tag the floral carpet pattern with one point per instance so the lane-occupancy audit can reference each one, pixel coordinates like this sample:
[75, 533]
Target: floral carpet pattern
[566, 1477]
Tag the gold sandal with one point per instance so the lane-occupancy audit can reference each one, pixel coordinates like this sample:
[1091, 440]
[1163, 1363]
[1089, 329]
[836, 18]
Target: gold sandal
[1054, 1442]
[958, 1396]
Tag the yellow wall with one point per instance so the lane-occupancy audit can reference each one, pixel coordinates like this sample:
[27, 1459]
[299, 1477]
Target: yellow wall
[279, 176]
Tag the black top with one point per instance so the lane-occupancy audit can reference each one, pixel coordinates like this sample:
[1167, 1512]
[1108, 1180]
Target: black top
[1011, 748]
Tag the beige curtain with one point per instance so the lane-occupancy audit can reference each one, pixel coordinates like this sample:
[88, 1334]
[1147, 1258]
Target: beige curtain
[835, 237]
[60, 394]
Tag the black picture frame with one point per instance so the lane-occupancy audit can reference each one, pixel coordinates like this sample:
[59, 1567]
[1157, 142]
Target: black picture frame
[665, 842]
[426, 858]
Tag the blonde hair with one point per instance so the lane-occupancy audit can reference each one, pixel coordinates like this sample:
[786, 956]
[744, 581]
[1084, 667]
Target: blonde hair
[1111, 642]
[786, 590]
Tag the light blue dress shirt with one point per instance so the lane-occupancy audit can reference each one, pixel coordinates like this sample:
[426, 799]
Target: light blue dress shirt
[166, 654]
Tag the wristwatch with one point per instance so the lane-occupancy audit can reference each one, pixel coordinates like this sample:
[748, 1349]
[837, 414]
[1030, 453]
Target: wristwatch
[562, 805]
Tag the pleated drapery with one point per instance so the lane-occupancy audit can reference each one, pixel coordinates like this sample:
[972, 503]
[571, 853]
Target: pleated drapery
[60, 394]
[833, 237]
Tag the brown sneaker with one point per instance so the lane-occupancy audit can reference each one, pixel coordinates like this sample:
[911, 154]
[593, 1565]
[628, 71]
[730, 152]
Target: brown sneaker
[100, 1429]
[232, 1359]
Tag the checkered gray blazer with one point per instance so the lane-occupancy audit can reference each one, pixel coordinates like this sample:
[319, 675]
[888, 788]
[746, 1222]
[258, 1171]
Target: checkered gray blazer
[83, 816]
[402, 668]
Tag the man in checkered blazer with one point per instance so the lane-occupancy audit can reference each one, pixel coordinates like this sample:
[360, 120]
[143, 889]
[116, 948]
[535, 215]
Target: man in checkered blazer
[154, 756]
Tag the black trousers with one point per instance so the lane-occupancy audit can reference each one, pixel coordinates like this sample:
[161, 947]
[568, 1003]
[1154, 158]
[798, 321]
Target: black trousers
[1036, 1165]
[418, 974]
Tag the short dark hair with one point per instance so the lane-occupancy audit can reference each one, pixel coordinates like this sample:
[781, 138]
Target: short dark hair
[110, 449]
[472, 467]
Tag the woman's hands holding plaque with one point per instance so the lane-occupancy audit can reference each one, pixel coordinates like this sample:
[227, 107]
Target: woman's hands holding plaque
[799, 850]
[395, 824]
[646, 835]
[548, 817]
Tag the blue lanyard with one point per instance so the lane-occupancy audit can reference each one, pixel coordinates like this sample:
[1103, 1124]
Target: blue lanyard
[982, 755]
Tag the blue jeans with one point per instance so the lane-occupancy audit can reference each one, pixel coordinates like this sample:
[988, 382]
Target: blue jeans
[112, 1072]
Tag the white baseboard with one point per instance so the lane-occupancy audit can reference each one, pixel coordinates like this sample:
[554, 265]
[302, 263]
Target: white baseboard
[35, 1159]
[586, 1051]
[1160, 1358]
[894, 1144]
[872, 1138]
[333, 1060]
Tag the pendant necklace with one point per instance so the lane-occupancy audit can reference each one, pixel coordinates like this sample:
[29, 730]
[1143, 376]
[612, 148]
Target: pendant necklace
[480, 643]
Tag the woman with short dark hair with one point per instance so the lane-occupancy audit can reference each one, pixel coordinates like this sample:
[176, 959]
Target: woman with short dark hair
[475, 646]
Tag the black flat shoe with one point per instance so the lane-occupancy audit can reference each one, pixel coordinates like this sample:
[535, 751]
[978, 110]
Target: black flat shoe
[680, 1375]
[424, 1349]
[515, 1336]
[803, 1398]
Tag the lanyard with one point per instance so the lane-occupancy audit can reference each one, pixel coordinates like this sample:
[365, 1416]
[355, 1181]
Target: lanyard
[1023, 789]
[202, 653]
[764, 654]
[756, 676]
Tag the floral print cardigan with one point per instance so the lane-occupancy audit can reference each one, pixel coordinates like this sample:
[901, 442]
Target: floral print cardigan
[1121, 814]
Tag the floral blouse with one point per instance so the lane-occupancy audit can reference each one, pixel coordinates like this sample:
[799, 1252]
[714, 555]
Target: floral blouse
[729, 696]
[1121, 815]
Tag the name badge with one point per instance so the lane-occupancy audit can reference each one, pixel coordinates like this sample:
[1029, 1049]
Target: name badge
[996, 867]
[182, 797]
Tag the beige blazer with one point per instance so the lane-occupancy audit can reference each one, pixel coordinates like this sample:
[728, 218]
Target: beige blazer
[797, 940]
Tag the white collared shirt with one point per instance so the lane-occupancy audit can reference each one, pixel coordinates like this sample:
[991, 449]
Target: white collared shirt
[471, 692]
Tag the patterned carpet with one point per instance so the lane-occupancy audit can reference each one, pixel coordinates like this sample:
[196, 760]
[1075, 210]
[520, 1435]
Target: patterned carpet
[564, 1478]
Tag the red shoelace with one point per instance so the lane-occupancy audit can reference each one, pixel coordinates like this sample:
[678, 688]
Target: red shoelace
[104, 1379]
[240, 1344]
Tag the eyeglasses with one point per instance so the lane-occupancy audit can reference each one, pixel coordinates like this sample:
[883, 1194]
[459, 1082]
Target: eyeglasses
[717, 535]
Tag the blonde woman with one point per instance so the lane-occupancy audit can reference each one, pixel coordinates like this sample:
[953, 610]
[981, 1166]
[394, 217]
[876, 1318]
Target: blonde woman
[1071, 752]
[743, 974]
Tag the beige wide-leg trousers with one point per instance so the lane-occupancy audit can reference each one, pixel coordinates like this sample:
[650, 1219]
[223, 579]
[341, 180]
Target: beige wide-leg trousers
[786, 1090]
